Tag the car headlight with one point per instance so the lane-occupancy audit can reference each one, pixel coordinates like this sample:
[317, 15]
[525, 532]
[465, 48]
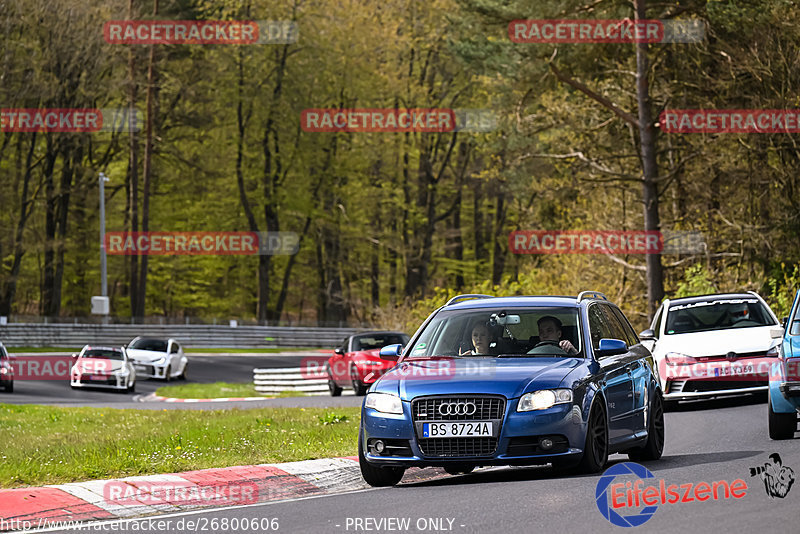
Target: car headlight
[543, 399]
[384, 402]
[3, 370]
[774, 352]
[122, 372]
[676, 358]
[160, 360]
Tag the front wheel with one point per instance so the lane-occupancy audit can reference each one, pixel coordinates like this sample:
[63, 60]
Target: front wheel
[595, 451]
[335, 390]
[9, 387]
[654, 446]
[359, 387]
[183, 373]
[781, 425]
[168, 374]
[378, 476]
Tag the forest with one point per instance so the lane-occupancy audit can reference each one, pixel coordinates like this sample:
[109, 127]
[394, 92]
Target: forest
[391, 223]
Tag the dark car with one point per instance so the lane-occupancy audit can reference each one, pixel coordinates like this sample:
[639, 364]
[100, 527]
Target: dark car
[6, 370]
[356, 363]
[513, 381]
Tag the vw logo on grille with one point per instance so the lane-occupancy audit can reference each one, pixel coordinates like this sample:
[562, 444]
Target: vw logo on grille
[457, 408]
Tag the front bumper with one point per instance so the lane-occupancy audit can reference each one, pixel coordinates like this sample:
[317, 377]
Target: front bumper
[517, 440]
[149, 370]
[110, 382]
[790, 390]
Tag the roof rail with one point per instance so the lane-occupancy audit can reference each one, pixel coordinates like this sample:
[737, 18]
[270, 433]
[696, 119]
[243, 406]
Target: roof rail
[591, 295]
[459, 298]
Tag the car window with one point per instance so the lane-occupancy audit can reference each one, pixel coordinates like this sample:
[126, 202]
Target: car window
[377, 341]
[630, 334]
[656, 327]
[104, 354]
[717, 314]
[493, 332]
[156, 345]
[794, 324]
[617, 332]
[175, 348]
[345, 346]
[598, 325]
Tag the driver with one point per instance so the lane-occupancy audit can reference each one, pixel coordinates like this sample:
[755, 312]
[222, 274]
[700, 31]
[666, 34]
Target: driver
[480, 340]
[550, 330]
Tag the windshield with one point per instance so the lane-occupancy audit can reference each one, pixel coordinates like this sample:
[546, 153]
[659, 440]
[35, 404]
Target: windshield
[540, 331]
[717, 315]
[103, 354]
[156, 345]
[377, 341]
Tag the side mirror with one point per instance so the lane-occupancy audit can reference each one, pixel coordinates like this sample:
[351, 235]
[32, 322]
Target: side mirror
[391, 353]
[776, 333]
[648, 334]
[339, 351]
[74, 355]
[611, 347]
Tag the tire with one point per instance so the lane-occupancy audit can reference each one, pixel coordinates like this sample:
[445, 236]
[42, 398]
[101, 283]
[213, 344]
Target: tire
[182, 376]
[654, 447]
[459, 469]
[168, 374]
[781, 425]
[9, 388]
[595, 450]
[359, 388]
[335, 390]
[378, 477]
[132, 387]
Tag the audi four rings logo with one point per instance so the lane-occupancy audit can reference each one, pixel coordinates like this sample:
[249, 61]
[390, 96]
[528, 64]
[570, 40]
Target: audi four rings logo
[457, 408]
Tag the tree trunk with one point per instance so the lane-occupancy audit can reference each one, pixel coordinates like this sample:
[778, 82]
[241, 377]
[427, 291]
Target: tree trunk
[147, 169]
[48, 278]
[647, 139]
[133, 173]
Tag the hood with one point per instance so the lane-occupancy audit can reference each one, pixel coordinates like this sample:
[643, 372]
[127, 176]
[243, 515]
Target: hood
[510, 377]
[98, 366]
[718, 342]
[145, 355]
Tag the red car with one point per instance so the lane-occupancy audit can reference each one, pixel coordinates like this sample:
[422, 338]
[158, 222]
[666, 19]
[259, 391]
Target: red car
[356, 364]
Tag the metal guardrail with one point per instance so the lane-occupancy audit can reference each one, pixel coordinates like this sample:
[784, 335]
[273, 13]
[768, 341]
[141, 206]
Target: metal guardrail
[288, 379]
[77, 335]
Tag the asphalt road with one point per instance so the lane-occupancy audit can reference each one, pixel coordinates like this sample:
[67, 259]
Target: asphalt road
[202, 369]
[706, 442]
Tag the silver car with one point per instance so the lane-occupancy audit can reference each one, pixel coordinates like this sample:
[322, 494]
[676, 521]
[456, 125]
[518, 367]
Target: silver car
[158, 358]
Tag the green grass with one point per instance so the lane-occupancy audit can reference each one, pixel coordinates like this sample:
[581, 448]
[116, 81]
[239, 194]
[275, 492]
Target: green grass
[209, 391]
[219, 390]
[251, 351]
[52, 445]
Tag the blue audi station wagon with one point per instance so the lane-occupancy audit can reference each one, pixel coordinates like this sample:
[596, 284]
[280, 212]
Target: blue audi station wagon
[784, 378]
[513, 381]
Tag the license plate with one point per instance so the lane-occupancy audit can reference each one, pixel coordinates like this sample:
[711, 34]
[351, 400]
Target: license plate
[95, 378]
[140, 367]
[472, 429]
[735, 370]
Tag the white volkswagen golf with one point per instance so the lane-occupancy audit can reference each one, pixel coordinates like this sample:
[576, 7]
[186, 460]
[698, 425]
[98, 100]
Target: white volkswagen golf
[713, 345]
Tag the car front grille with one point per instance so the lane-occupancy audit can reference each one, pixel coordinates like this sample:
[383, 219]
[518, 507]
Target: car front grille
[486, 408]
[145, 369]
[455, 447]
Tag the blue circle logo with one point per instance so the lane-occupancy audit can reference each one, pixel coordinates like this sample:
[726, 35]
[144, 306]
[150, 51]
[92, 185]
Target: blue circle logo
[601, 495]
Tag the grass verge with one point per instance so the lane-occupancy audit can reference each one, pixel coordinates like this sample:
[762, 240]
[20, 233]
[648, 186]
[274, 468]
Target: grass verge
[219, 390]
[53, 445]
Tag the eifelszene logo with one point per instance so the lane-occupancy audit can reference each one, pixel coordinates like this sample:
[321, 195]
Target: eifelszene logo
[778, 478]
[615, 498]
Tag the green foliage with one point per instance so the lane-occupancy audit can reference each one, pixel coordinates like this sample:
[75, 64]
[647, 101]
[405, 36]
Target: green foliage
[696, 281]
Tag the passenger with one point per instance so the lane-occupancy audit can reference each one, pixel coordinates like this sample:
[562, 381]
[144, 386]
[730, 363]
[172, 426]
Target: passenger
[550, 333]
[480, 340]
